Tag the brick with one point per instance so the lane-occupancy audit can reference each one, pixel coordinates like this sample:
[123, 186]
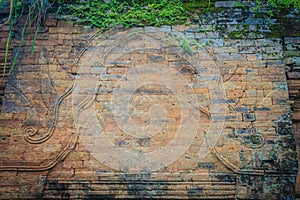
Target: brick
[53, 37]
[6, 116]
[254, 93]
[226, 4]
[271, 71]
[238, 78]
[155, 57]
[275, 94]
[226, 50]
[77, 42]
[19, 116]
[210, 35]
[149, 29]
[65, 23]
[260, 116]
[273, 56]
[179, 28]
[249, 50]
[38, 43]
[293, 53]
[279, 86]
[235, 86]
[200, 90]
[178, 64]
[117, 70]
[42, 36]
[63, 36]
[51, 21]
[258, 63]
[173, 57]
[273, 78]
[280, 108]
[293, 75]
[250, 78]
[292, 40]
[254, 21]
[246, 70]
[234, 93]
[296, 116]
[65, 30]
[260, 86]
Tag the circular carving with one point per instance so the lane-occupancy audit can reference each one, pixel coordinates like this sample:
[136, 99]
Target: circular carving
[30, 131]
[114, 132]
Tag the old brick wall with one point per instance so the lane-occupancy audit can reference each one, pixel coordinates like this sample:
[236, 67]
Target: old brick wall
[243, 56]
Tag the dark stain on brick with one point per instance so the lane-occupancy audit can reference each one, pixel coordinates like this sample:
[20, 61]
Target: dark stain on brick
[249, 117]
[98, 196]
[241, 109]
[121, 143]
[144, 142]
[140, 186]
[155, 58]
[284, 125]
[226, 178]
[194, 192]
[187, 70]
[244, 131]
[206, 165]
[262, 109]
[58, 189]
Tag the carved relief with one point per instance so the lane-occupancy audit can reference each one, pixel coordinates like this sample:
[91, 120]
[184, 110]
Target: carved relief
[144, 105]
[35, 99]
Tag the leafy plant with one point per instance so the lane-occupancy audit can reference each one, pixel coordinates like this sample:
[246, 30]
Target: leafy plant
[128, 13]
[187, 45]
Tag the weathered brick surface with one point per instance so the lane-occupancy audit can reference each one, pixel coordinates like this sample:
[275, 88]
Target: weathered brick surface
[253, 158]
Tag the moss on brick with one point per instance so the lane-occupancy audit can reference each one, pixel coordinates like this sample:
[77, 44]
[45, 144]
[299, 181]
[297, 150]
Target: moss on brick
[237, 34]
[284, 29]
[203, 7]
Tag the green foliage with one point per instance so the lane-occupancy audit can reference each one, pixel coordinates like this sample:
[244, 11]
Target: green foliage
[187, 45]
[194, 7]
[129, 13]
[280, 4]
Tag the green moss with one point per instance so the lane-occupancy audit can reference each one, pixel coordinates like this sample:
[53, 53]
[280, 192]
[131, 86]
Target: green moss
[261, 15]
[239, 5]
[214, 10]
[193, 5]
[237, 34]
[288, 33]
[292, 53]
[286, 29]
[275, 31]
[273, 34]
[201, 7]
[290, 27]
[118, 13]
[275, 27]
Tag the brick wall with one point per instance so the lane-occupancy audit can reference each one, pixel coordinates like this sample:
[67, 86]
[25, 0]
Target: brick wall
[236, 63]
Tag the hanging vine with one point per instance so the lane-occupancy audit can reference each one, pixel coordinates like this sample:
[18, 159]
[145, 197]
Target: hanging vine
[34, 13]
